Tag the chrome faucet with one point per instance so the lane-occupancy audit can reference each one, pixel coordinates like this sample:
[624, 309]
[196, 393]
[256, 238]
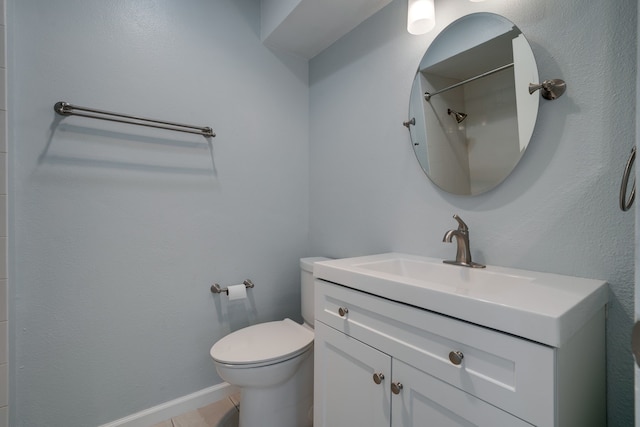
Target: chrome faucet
[463, 254]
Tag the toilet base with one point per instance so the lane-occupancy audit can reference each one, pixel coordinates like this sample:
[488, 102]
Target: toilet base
[289, 404]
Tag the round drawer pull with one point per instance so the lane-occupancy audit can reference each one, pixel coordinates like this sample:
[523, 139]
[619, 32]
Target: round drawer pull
[456, 357]
[396, 387]
[342, 311]
[378, 377]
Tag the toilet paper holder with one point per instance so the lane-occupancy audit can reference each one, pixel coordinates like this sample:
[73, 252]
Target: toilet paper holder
[216, 289]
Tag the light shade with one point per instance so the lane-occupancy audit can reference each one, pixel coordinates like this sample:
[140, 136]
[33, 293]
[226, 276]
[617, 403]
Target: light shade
[421, 17]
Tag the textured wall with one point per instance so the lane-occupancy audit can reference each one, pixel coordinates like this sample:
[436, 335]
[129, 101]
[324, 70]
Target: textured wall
[118, 231]
[4, 327]
[557, 212]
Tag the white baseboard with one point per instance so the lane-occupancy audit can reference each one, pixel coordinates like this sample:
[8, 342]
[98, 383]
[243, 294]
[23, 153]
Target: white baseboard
[173, 408]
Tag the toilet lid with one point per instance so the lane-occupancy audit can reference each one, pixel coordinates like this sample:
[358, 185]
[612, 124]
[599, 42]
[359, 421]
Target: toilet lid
[262, 343]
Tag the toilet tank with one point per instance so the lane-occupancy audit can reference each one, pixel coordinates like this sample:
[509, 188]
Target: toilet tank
[306, 288]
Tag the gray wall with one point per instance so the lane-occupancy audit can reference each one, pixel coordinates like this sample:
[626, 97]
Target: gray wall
[557, 212]
[117, 232]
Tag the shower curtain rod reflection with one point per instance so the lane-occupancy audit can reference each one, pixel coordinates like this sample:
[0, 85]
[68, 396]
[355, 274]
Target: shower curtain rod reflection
[67, 109]
[427, 95]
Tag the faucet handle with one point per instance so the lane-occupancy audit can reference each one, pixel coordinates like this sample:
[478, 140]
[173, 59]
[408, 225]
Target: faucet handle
[461, 225]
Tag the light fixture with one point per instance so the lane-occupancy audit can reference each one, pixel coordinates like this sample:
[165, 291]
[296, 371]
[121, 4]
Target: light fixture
[421, 16]
[476, 1]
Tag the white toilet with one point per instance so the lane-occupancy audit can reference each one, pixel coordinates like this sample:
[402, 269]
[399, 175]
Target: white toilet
[272, 363]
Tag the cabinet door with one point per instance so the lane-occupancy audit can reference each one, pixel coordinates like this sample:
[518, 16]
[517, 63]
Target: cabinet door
[345, 393]
[425, 401]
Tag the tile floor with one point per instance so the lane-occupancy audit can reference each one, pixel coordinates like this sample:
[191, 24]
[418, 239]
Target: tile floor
[223, 413]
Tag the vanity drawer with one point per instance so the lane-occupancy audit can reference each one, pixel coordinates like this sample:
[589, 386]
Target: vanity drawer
[512, 373]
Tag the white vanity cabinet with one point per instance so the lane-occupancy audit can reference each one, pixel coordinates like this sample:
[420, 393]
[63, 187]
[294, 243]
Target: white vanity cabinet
[441, 371]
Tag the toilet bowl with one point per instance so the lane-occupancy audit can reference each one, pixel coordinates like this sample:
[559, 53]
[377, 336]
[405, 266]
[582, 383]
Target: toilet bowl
[272, 363]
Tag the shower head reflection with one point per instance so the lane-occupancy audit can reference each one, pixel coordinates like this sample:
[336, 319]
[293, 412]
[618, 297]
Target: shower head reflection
[456, 115]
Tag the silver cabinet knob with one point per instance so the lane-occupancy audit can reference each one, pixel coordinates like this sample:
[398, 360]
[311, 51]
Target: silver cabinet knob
[396, 387]
[456, 357]
[342, 311]
[378, 377]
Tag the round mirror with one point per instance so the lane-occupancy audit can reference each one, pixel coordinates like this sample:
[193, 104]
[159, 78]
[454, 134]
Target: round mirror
[471, 114]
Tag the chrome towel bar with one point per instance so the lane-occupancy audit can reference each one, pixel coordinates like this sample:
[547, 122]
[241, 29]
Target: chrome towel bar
[216, 289]
[67, 109]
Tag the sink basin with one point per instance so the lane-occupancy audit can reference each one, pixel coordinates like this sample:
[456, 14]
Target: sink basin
[543, 307]
[463, 279]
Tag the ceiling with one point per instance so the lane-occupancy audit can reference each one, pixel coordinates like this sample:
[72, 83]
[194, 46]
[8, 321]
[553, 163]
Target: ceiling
[307, 27]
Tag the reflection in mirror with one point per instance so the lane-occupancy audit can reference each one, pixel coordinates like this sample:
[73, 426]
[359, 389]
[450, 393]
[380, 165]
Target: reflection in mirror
[470, 99]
